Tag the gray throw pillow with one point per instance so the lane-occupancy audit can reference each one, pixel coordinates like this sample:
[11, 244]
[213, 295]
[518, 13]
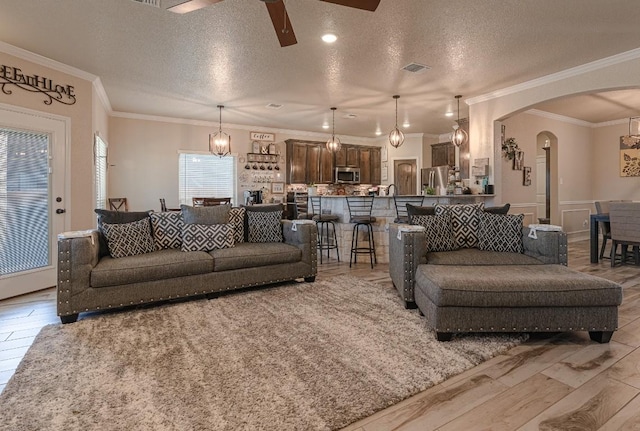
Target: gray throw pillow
[438, 231]
[263, 223]
[116, 217]
[129, 239]
[167, 229]
[206, 237]
[498, 210]
[236, 218]
[215, 214]
[414, 210]
[500, 232]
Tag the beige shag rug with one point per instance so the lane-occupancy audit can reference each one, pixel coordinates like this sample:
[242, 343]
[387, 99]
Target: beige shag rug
[302, 356]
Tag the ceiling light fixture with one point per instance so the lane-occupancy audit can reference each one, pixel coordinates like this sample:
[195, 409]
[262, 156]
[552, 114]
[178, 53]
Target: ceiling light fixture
[406, 124]
[396, 137]
[459, 136]
[329, 38]
[334, 143]
[632, 139]
[448, 114]
[220, 142]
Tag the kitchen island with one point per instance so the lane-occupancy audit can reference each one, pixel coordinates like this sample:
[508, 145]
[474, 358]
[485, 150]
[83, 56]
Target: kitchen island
[384, 210]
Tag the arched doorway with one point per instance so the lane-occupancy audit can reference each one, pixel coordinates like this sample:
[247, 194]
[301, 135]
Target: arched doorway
[547, 177]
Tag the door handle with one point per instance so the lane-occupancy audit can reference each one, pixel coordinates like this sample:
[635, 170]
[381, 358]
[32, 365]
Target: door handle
[61, 211]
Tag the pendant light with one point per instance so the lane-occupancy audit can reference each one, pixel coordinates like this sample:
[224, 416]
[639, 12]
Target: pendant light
[334, 144]
[459, 136]
[220, 142]
[396, 137]
[632, 140]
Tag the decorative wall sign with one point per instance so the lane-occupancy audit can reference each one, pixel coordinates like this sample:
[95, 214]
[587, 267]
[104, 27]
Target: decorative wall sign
[261, 136]
[526, 175]
[36, 84]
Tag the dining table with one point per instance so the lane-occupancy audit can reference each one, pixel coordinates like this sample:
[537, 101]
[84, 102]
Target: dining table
[594, 232]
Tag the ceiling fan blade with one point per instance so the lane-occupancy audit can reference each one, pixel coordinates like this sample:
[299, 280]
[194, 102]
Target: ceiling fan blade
[191, 5]
[283, 29]
[369, 5]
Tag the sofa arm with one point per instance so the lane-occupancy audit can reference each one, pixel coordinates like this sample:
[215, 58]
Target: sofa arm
[78, 253]
[549, 247]
[407, 250]
[304, 235]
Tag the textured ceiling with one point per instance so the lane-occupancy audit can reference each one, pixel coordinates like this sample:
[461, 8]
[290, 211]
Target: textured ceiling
[155, 62]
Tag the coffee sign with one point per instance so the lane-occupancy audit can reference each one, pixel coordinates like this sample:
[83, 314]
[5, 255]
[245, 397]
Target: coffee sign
[12, 76]
[261, 136]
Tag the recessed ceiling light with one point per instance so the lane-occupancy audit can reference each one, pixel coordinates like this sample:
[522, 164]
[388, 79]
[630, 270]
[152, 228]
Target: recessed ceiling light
[325, 126]
[378, 132]
[406, 124]
[329, 38]
[448, 114]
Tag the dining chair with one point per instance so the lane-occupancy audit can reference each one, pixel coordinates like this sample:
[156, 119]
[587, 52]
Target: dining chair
[301, 200]
[602, 207]
[163, 205]
[118, 204]
[624, 218]
[208, 202]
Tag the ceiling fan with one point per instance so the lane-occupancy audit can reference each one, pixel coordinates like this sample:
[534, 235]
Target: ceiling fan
[277, 12]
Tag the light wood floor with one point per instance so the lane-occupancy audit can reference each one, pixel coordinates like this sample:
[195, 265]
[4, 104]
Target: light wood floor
[551, 382]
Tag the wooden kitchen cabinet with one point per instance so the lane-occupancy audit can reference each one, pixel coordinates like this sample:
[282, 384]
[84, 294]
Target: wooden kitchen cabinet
[309, 162]
[443, 154]
[365, 165]
[347, 156]
[296, 162]
[376, 169]
[327, 166]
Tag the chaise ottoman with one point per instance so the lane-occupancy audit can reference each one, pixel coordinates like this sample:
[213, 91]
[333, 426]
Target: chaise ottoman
[516, 298]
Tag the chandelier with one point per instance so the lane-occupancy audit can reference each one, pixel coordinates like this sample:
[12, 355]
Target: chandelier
[396, 137]
[333, 144]
[459, 136]
[220, 142]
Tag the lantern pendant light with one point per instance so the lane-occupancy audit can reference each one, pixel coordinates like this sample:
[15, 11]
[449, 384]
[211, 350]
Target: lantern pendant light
[632, 140]
[334, 144]
[459, 136]
[396, 137]
[220, 142]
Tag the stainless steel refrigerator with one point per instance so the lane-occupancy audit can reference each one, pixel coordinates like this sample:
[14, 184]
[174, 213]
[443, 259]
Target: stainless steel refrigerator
[436, 177]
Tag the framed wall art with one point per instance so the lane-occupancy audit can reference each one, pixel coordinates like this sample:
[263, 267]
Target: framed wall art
[277, 188]
[526, 175]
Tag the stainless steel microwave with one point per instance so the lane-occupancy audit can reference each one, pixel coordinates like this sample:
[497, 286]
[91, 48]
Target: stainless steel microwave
[346, 175]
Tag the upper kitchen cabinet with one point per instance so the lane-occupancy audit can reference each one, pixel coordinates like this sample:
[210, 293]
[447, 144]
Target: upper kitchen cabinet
[443, 154]
[296, 162]
[308, 162]
[369, 165]
[348, 156]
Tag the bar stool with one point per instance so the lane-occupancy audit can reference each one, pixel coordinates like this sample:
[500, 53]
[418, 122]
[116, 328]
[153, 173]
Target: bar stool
[323, 221]
[360, 212]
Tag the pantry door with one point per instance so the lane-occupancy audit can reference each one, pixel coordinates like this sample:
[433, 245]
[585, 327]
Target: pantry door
[33, 148]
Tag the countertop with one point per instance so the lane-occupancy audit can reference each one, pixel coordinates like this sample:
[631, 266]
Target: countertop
[406, 196]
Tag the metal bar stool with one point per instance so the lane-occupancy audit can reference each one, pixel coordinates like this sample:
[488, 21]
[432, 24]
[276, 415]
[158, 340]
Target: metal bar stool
[360, 212]
[323, 221]
[401, 202]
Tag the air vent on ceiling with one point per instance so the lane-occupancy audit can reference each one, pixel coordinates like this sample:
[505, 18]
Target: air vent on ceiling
[416, 67]
[350, 116]
[154, 3]
[274, 106]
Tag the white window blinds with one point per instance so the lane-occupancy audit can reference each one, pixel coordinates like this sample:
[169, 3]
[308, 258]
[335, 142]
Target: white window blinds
[100, 163]
[206, 175]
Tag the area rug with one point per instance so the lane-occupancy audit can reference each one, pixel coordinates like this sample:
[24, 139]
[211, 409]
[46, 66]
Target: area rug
[301, 356]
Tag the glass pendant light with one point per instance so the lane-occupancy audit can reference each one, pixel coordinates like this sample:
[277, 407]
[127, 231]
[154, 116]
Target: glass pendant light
[459, 136]
[396, 137]
[220, 142]
[334, 144]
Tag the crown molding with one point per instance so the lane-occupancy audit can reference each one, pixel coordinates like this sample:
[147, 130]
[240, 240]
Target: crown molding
[317, 135]
[559, 117]
[102, 95]
[611, 123]
[554, 77]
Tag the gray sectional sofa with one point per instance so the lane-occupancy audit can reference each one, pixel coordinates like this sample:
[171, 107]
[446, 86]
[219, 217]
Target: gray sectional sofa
[89, 279]
[480, 289]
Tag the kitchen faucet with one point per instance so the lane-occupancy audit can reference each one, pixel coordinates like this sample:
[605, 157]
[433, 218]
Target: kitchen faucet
[395, 190]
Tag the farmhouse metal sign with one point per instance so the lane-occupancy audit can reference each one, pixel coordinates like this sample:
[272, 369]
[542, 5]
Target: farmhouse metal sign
[36, 84]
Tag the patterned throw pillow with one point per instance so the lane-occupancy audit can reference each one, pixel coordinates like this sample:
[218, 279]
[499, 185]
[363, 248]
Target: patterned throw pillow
[167, 229]
[437, 230]
[129, 239]
[206, 237]
[264, 226]
[236, 218]
[501, 232]
[116, 217]
[465, 221]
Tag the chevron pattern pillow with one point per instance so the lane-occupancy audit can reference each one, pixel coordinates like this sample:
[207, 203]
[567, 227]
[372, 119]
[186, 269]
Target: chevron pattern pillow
[264, 226]
[206, 237]
[129, 239]
[437, 230]
[465, 221]
[167, 229]
[501, 232]
[236, 218]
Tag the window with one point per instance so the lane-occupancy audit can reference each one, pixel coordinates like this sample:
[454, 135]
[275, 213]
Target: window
[100, 162]
[206, 175]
